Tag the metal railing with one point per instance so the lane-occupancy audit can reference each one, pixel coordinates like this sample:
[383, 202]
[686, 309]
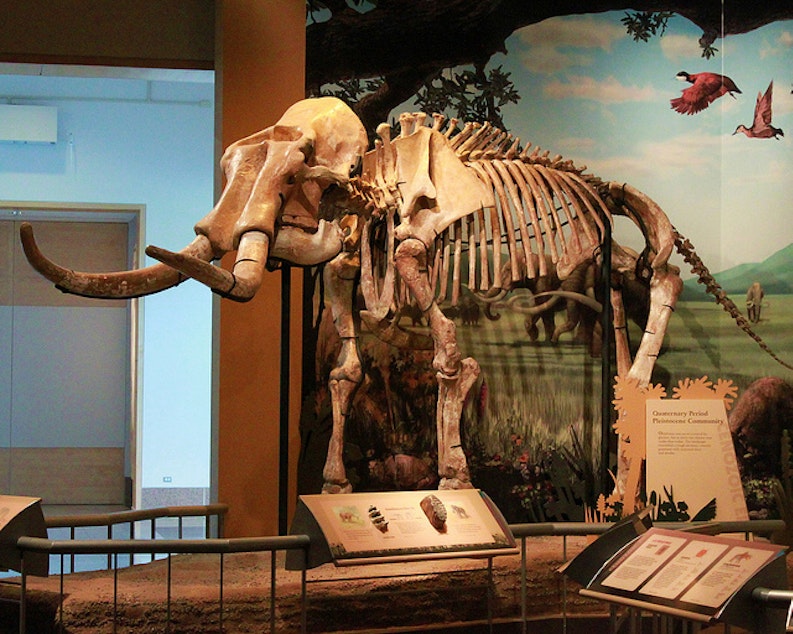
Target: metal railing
[522, 532]
[167, 547]
[212, 514]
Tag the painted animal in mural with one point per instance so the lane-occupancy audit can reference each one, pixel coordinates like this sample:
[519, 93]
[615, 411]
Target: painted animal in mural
[546, 295]
[754, 302]
[399, 217]
[578, 297]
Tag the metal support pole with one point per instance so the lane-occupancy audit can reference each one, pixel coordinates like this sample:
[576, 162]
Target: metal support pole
[23, 597]
[606, 374]
[220, 601]
[523, 585]
[304, 596]
[272, 591]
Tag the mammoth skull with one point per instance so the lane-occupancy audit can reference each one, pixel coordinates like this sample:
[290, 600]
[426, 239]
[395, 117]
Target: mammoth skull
[268, 209]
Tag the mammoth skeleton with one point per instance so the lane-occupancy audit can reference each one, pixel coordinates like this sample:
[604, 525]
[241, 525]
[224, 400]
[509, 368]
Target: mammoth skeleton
[399, 218]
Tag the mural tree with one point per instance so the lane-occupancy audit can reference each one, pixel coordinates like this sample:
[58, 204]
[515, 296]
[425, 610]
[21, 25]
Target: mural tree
[405, 44]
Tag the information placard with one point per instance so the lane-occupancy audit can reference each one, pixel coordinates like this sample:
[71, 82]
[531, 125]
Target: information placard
[684, 573]
[690, 457]
[397, 525]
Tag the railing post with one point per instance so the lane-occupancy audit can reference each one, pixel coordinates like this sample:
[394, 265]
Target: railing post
[109, 556]
[115, 593]
[23, 596]
[168, 596]
[61, 628]
[523, 584]
[304, 595]
[272, 591]
[220, 618]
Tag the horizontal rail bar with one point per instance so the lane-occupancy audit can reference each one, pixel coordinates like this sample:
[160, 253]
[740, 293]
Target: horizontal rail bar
[774, 598]
[585, 528]
[288, 542]
[120, 517]
[163, 546]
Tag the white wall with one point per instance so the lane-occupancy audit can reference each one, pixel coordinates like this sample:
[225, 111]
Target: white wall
[131, 140]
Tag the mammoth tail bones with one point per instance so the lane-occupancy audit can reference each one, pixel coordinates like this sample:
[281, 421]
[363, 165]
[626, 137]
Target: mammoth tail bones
[397, 217]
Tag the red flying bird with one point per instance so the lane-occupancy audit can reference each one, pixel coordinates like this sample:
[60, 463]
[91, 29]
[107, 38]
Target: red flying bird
[761, 126]
[704, 90]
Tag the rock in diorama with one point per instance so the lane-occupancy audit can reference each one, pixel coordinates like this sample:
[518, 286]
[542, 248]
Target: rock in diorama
[425, 211]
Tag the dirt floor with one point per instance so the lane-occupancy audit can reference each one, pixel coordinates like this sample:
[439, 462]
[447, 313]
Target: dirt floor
[382, 597]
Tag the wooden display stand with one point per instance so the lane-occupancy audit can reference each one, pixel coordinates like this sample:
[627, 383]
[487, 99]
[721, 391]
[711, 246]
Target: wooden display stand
[684, 576]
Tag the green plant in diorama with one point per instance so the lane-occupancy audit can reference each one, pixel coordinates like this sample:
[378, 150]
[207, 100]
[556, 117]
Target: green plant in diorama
[670, 510]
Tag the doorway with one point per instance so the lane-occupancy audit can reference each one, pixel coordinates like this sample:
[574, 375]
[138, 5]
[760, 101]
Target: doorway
[68, 397]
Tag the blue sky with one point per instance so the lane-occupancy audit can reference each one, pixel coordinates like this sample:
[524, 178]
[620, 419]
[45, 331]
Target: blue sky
[590, 93]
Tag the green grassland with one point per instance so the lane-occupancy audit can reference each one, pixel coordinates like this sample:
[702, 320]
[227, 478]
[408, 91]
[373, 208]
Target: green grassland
[537, 391]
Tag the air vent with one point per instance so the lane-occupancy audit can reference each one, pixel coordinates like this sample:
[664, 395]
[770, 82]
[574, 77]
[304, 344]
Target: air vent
[28, 124]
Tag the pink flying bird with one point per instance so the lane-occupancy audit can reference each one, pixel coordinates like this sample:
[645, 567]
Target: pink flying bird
[761, 126]
[704, 90]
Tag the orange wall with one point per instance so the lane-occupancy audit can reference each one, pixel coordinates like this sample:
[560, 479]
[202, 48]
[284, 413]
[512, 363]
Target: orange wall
[259, 58]
[260, 64]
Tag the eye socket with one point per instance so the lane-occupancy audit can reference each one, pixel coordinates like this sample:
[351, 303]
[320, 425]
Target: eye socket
[290, 180]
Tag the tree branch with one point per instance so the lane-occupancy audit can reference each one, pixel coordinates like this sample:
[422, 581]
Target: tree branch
[408, 41]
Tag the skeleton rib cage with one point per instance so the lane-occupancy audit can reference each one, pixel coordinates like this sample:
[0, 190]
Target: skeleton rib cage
[538, 207]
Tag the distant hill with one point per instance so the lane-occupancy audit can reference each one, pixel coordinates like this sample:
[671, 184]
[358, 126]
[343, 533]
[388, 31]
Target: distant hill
[775, 274]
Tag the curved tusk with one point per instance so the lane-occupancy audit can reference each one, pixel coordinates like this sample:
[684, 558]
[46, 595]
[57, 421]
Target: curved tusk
[491, 297]
[581, 298]
[518, 304]
[114, 285]
[240, 284]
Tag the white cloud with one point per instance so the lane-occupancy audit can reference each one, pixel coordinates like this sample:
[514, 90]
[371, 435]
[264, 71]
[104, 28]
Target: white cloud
[782, 103]
[609, 90]
[547, 59]
[578, 32]
[556, 44]
[669, 159]
[780, 46]
[575, 146]
[786, 39]
[680, 47]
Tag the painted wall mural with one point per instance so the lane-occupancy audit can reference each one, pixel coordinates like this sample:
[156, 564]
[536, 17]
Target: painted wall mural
[701, 131]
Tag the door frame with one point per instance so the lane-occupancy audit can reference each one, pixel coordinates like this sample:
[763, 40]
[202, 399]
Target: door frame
[134, 217]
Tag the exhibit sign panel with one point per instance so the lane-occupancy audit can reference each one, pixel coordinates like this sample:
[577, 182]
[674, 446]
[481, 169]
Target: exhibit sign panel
[691, 458]
[689, 575]
[375, 527]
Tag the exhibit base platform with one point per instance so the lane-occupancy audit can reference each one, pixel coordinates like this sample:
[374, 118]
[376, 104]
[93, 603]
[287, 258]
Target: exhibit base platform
[444, 595]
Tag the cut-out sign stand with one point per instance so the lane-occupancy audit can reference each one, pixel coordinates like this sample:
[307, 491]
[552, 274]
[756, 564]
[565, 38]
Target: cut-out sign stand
[380, 527]
[686, 446]
[683, 575]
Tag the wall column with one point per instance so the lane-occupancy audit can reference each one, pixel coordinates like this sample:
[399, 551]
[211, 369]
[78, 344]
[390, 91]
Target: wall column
[260, 65]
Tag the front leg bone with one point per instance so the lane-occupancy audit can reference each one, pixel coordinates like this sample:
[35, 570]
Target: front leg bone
[452, 464]
[455, 376]
[348, 374]
[344, 380]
